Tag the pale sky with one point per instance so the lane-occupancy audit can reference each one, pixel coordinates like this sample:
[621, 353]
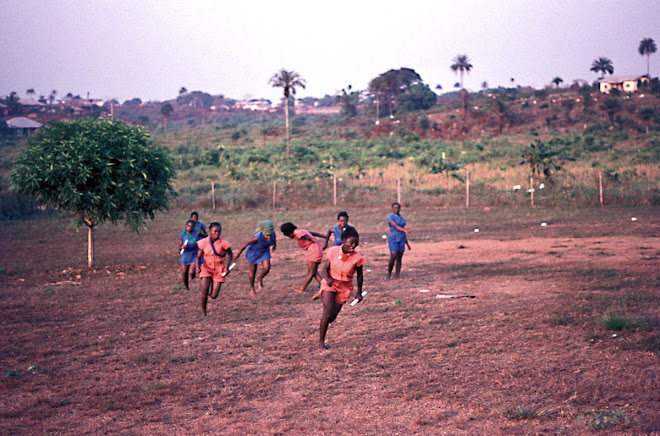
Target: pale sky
[151, 48]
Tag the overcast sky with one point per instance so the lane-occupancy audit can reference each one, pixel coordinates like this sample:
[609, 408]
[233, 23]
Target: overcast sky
[151, 48]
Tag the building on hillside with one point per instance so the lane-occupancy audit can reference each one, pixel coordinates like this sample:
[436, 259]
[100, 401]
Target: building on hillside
[24, 125]
[622, 83]
[4, 109]
[253, 105]
[30, 104]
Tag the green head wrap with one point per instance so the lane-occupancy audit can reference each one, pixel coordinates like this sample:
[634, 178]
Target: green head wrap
[266, 227]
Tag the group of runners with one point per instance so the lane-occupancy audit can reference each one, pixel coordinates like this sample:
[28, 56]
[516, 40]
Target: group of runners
[206, 254]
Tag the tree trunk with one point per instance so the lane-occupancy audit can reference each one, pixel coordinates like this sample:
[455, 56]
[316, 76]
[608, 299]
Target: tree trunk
[90, 246]
[286, 117]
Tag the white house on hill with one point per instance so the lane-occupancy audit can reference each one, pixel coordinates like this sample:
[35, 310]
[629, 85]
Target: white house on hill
[622, 83]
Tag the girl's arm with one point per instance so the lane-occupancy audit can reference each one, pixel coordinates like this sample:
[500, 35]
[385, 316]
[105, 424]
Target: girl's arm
[250, 242]
[231, 258]
[319, 235]
[360, 279]
[199, 257]
[327, 238]
[396, 226]
[325, 272]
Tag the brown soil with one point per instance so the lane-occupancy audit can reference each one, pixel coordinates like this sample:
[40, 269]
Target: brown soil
[124, 350]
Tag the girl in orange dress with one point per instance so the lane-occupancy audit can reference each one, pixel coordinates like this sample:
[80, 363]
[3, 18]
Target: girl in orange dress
[313, 250]
[342, 263]
[214, 269]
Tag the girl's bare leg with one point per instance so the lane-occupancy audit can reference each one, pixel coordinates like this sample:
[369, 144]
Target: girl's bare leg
[312, 268]
[207, 283]
[265, 269]
[251, 274]
[330, 311]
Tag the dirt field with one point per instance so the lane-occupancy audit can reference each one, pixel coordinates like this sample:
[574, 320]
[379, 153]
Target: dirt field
[123, 349]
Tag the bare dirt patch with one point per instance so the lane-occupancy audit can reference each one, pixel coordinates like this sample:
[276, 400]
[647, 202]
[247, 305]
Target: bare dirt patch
[123, 349]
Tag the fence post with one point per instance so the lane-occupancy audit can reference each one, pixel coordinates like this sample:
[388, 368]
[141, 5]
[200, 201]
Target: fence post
[334, 189]
[398, 189]
[467, 189]
[274, 191]
[600, 186]
[531, 189]
[213, 193]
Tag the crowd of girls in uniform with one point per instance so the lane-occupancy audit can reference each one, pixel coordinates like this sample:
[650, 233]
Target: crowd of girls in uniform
[205, 253]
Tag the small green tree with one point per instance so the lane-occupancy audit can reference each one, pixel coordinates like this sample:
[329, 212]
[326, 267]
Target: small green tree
[349, 102]
[544, 159]
[611, 105]
[96, 170]
[647, 113]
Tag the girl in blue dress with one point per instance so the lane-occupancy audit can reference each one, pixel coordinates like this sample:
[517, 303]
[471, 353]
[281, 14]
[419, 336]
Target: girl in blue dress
[258, 252]
[188, 249]
[397, 240]
[336, 231]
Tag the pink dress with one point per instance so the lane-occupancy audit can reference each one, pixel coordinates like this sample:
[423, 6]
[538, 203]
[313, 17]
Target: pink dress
[213, 265]
[342, 269]
[313, 250]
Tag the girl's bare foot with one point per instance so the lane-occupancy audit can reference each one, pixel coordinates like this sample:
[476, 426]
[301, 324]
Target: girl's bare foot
[322, 347]
[299, 290]
[261, 285]
[253, 293]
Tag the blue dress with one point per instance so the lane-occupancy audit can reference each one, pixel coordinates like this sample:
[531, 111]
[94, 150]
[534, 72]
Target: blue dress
[397, 238]
[189, 254]
[260, 250]
[337, 231]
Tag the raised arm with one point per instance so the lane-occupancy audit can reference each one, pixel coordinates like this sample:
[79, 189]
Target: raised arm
[327, 238]
[250, 242]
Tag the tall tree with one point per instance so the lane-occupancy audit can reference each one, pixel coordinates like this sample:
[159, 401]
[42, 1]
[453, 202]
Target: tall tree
[460, 66]
[557, 80]
[288, 81]
[183, 91]
[30, 92]
[96, 170]
[602, 65]
[349, 102]
[166, 110]
[647, 48]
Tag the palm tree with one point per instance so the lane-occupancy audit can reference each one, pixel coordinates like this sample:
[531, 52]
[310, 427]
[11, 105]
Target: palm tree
[647, 48]
[557, 80]
[288, 81]
[462, 65]
[602, 64]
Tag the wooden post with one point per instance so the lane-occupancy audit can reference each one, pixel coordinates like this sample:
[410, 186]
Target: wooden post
[213, 193]
[600, 186]
[467, 189]
[398, 189]
[531, 188]
[274, 192]
[334, 189]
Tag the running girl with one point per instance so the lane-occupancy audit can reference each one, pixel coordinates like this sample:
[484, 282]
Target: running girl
[313, 250]
[213, 270]
[342, 263]
[188, 249]
[258, 252]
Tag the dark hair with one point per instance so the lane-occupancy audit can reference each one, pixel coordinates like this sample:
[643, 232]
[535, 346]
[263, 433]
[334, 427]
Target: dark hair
[194, 213]
[190, 221]
[341, 214]
[396, 203]
[288, 228]
[214, 224]
[350, 232]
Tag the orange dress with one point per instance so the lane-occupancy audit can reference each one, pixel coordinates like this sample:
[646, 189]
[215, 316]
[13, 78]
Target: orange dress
[213, 265]
[313, 250]
[342, 268]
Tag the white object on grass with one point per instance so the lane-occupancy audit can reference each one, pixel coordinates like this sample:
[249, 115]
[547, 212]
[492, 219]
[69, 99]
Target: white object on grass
[476, 230]
[544, 224]
[231, 267]
[424, 290]
[633, 219]
[515, 188]
[541, 186]
[384, 236]
[354, 302]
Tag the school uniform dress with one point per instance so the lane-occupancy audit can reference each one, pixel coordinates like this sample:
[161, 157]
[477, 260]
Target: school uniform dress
[397, 238]
[342, 269]
[189, 254]
[337, 232]
[313, 250]
[199, 226]
[213, 265]
[260, 250]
